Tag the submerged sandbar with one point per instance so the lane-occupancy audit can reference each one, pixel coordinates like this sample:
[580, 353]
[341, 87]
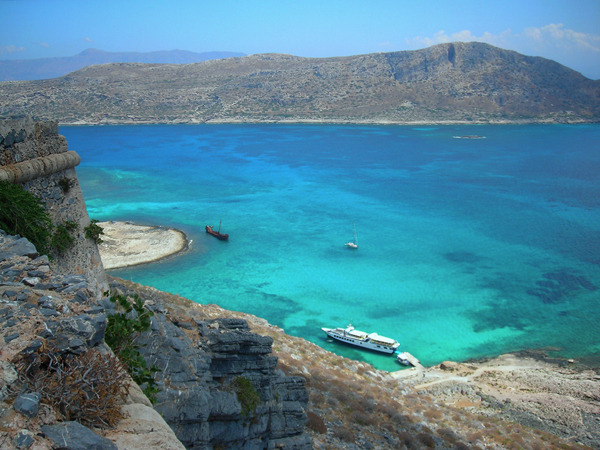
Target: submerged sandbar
[127, 244]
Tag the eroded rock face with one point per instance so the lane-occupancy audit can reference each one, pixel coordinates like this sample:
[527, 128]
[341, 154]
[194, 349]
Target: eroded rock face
[200, 362]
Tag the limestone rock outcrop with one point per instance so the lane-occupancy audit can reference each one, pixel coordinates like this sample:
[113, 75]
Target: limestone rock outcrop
[202, 361]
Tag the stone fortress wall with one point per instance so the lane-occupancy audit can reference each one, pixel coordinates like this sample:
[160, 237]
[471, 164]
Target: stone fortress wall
[35, 156]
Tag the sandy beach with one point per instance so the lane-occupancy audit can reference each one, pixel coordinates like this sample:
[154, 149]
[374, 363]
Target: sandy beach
[126, 244]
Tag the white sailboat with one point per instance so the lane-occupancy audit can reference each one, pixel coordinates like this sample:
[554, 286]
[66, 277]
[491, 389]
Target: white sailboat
[354, 243]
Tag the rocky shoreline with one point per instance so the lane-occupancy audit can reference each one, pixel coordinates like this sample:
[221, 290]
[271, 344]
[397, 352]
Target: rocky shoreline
[311, 121]
[126, 244]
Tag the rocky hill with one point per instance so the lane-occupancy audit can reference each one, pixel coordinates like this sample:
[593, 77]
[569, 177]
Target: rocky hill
[44, 68]
[446, 83]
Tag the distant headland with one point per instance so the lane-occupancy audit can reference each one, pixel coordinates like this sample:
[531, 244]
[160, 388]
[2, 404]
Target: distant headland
[451, 83]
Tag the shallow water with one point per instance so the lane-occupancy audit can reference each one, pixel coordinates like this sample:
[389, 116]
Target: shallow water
[467, 247]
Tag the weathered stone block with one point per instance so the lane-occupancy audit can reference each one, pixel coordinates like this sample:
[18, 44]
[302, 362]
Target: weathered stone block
[28, 404]
[74, 436]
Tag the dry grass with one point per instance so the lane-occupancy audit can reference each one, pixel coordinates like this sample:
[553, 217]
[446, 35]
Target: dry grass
[88, 388]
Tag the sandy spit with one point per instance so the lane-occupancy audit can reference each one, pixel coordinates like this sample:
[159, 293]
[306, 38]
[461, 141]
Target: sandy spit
[126, 244]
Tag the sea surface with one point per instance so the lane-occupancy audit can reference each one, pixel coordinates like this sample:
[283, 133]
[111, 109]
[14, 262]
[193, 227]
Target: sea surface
[468, 248]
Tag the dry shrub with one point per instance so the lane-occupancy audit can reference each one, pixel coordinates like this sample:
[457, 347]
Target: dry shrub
[284, 367]
[448, 435]
[475, 437]
[391, 409]
[336, 383]
[361, 370]
[384, 408]
[362, 418]
[426, 439]
[315, 423]
[369, 404]
[461, 446]
[517, 438]
[426, 429]
[389, 426]
[317, 398]
[433, 414]
[318, 380]
[341, 395]
[88, 388]
[344, 434]
[353, 386]
[409, 441]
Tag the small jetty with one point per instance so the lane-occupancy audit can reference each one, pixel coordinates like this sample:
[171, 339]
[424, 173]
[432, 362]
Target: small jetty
[411, 360]
[408, 360]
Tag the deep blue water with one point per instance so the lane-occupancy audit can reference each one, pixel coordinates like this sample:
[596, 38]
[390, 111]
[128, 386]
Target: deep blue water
[468, 247]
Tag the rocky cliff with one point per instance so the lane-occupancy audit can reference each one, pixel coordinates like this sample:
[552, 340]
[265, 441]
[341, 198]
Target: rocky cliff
[447, 83]
[61, 386]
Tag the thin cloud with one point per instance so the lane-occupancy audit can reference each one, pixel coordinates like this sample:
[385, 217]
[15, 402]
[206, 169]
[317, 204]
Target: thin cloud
[462, 36]
[562, 37]
[44, 44]
[579, 51]
[88, 39]
[11, 49]
[549, 37]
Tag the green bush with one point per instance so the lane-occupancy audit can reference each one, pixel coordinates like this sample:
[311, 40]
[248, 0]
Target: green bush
[122, 330]
[246, 395]
[62, 239]
[65, 184]
[93, 232]
[22, 213]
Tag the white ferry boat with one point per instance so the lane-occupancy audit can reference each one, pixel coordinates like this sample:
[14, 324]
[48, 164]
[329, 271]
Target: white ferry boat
[361, 339]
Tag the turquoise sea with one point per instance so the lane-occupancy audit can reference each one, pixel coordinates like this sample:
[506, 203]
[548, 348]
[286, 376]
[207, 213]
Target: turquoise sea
[467, 247]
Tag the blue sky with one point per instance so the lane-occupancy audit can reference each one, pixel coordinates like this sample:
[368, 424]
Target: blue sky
[567, 31]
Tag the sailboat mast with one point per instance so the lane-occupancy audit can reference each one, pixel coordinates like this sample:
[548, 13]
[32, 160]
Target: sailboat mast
[355, 237]
[219, 227]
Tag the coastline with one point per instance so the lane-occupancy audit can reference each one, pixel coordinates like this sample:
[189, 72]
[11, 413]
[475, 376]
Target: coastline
[126, 244]
[551, 394]
[298, 121]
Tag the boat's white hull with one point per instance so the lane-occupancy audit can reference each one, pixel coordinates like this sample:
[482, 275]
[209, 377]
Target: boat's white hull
[366, 344]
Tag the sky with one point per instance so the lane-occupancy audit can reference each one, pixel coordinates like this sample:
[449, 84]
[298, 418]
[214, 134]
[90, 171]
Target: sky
[567, 31]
